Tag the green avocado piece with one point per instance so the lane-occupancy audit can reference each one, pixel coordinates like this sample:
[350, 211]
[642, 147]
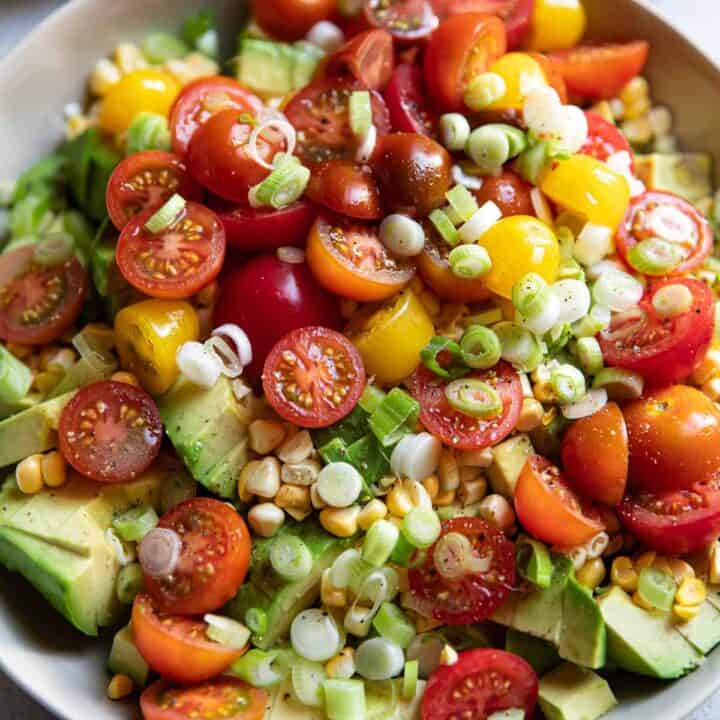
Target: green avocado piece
[703, 631]
[644, 642]
[688, 175]
[583, 636]
[573, 693]
[540, 654]
[125, 658]
[222, 479]
[509, 458]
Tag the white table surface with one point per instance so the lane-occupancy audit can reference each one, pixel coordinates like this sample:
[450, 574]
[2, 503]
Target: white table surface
[17, 16]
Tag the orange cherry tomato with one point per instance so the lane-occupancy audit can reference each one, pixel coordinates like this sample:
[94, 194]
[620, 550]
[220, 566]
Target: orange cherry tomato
[367, 58]
[549, 509]
[291, 19]
[346, 188]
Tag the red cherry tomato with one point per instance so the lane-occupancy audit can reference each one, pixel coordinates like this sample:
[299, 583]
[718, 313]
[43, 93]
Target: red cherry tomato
[405, 20]
[481, 683]
[38, 303]
[367, 58]
[269, 298]
[661, 350]
[461, 48]
[313, 377]
[145, 181]
[465, 582]
[320, 114]
[604, 139]
[346, 188]
[457, 429]
[291, 19]
[600, 72]
[405, 96]
[213, 560]
[110, 431]
[509, 192]
[641, 223]
[176, 262]
[202, 99]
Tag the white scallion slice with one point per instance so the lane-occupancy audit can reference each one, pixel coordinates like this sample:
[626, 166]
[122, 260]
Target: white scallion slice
[239, 338]
[198, 364]
[480, 223]
[227, 632]
[315, 636]
[618, 290]
[574, 299]
[160, 552]
[379, 659]
[595, 400]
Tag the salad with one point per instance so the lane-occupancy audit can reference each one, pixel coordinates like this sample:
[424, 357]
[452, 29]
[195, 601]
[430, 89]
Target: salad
[376, 379]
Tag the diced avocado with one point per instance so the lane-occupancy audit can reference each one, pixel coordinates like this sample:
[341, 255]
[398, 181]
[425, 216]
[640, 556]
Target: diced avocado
[688, 175]
[547, 439]
[539, 653]
[573, 693]
[644, 642]
[283, 600]
[583, 637]
[703, 631]
[222, 479]
[125, 658]
[509, 458]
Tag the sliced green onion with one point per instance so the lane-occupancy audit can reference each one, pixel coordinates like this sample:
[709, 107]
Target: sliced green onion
[474, 397]
[594, 322]
[31, 214]
[197, 28]
[264, 669]
[379, 659]
[360, 108]
[307, 683]
[429, 356]
[334, 451]
[284, 186]
[148, 131]
[620, 384]
[374, 584]
[618, 290]
[403, 552]
[454, 131]
[487, 317]
[54, 249]
[480, 347]
[166, 215]
[159, 47]
[396, 416]
[344, 566]
[257, 620]
[570, 269]
[655, 256]
[454, 218]
[526, 295]
[462, 201]
[568, 383]
[135, 524]
[371, 398]
[488, 147]
[672, 300]
[590, 355]
[445, 227]
[470, 261]
[533, 161]
[557, 338]
[410, 679]
[402, 235]
[344, 699]
[129, 583]
[291, 558]
[483, 90]
[379, 542]
[421, 526]
[226, 631]
[519, 346]
[516, 137]
[16, 378]
[392, 624]
[209, 44]
[657, 588]
[534, 562]
[315, 635]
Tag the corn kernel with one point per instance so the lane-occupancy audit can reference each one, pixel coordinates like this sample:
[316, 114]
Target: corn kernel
[617, 108]
[125, 377]
[358, 620]
[331, 596]
[398, 501]
[638, 110]
[592, 573]
[194, 66]
[296, 497]
[105, 75]
[264, 479]
[341, 522]
[77, 125]
[296, 448]
[61, 360]
[342, 666]
[544, 393]
[637, 130]
[432, 485]
[680, 570]
[315, 500]
[446, 498]
[54, 469]
[623, 574]
[662, 564]
[299, 514]
[266, 519]
[265, 435]
[475, 458]
[302, 473]
[531, 415]
[497, 510]
[448, 471]
[375, 510]
[250, 468]
[637, 89]
[28, 475]
[128, 58]
[686, 612]
[473, 491]
[692, 591]
[661, 120]
[640, 601]
[120, 687]
[646, 560]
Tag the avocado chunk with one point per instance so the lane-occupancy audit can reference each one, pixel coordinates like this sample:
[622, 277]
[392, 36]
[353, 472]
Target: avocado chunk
[703, 631]
[573, 693]
[583, 636]
[688, 175]
[644, 642]
[125, 658]
[540, 654]
[509, 458]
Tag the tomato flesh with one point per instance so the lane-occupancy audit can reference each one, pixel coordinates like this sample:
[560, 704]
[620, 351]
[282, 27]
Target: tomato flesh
[405, 20]
[367, 58]
[110, 431]
[346, 188]
[509, 192]
[604, 139]
[407, 103]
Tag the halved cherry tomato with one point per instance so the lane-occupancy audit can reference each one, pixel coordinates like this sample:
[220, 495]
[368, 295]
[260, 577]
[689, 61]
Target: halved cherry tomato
[508, 191]
[675, 523]
[405, 20]
[202, 99]
[146, 180]
[481, 683]
[176, 262]
[674, 439]
[349, 259]
[662, 350]
[177, 647]
[604, 139]
[367, 58]
[413, 172]
[213, 560]
[549, 509]
[346, 188]
[405, 96]
[110, 431]
[554, 78]
[38, 303]
[659, 214]
[600, 72]
[457, 429]
[224, 698]
[461, 48]
[313, 377]
[291, 19]
[321, 117]
[595, 455]
[464, 584]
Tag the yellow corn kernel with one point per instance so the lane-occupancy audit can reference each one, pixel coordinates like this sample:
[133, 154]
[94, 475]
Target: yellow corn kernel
[398, 501]
[315, 500]
[686, 612]
[531, 415]
[592, 573]
[77, 125]
[448, 470]
[430, 302]
[708, 368]
[637, 130]
[640, 109]
[297, 514]
[342, 666]
[712, 389]
[646, 560]
[266, 519]
[637, 89]
[475, 458]
[497, 510]
[28, 475]
[54, 469]
[331, 596]
[125, 377]
[105, 75]
[294, 497]
[661, 564]
[245, 474]
[473, 491]
[444, 499]
[692, 591]
[623, 574]
[374, 510]
[120, 687]
[640, 601]
[425, 624]
[296, 447]
[544, 393]
[680, 569]
[341, 522]
[128, 58]
[264, 480]
[432, 485]
[208, 295]
[57, 359]
[265, 435]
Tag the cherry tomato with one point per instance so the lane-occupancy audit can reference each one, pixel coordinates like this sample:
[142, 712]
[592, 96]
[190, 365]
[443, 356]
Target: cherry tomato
[662, 350]
[220, 157]
[457, 429]
[313, 377]
[508, 191]
[481, 683]
[604, 139]
[549, 509]
[556, 25]
[667, 216]
[600, 72]
[465, 583]
[224, 697]
[213, 560]
[554, 78]
[406, 100]
[405, 20]
[291, 19]
[367, 58]
[413, 172]
[202, 99]
[268, 298]
[461, 48]
[177, 647]
[349, 259]
[110, 431]
[346, 188]
[675, 523]
[38, 303]
[595, 455]
[176, 262]
[321, 117]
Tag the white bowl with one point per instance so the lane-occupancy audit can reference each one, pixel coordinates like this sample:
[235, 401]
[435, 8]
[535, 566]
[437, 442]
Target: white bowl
[59, 667]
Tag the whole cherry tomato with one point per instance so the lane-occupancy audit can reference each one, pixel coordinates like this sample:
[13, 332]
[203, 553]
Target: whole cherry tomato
[291, 19]
[508, 191]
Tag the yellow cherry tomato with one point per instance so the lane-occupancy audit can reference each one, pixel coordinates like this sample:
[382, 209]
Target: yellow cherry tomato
[556, 25]
[588, 188]
[518, 245]
[148, 336]
[390, 339]
[521, 73]
[140, 91]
